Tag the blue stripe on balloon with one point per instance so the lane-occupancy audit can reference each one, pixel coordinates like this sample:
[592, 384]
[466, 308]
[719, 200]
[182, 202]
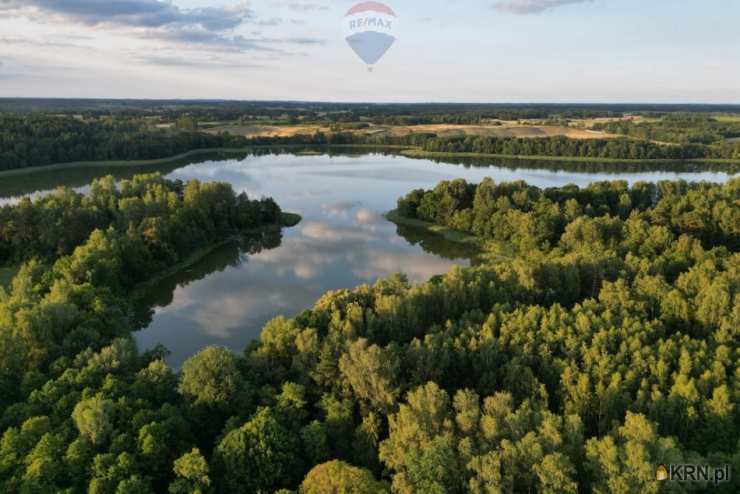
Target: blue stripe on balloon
[370, 46]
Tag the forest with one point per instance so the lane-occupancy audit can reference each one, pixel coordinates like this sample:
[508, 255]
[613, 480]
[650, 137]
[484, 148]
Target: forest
[606, 347]
[563, 146]
[82, 255]
[615, 148]
[38, 140]
[681, 128]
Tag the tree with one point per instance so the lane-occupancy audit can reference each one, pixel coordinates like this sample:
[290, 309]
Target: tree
[192, 474]
[421, 445]
[262, 455]
[211, 378]
[94, 419]
[339, 477]
[371, 372]
[625, 462]
[555, 475]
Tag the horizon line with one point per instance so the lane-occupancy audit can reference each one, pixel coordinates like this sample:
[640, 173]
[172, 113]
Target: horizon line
[359, 102]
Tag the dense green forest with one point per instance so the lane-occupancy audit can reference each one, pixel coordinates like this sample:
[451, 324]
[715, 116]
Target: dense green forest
[82, 255]
[618, 148]
[563, 146]
[681, 128]
[38, 140]
[171, 217]
[607, 347]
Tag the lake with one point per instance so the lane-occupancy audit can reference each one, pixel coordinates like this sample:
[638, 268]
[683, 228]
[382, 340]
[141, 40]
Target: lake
[343, 241]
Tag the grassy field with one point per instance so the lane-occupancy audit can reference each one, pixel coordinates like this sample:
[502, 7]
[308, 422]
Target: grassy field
[727, 118]
[259, 130]
[506, 129]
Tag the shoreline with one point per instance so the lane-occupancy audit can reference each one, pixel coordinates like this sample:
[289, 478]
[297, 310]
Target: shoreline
[487, 252]
[288, 220]
[188, 154]
[419, 153]
[115, 163]
[403, 150]
[448, 233]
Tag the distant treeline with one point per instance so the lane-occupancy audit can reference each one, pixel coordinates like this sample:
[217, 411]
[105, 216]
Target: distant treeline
[682, 128]
[380, 113]
[516, 146]
[38, 140]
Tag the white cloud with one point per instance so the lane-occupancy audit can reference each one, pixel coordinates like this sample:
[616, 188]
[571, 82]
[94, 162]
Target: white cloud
[532, 6]
[211, 28]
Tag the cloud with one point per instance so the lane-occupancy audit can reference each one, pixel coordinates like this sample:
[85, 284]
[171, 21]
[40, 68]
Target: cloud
[298, 6]
[367, 217]
[138, 13]
[325, 233]
[211, 29]
[181, 61]
[207, 39]
[340, 208]
[35, 43]
[524, 7]
[272, 21]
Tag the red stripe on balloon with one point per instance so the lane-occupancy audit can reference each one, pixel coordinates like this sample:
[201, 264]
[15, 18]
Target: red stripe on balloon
[376, 6]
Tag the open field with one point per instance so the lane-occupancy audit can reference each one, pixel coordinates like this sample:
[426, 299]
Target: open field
[505, 130]
[257, 130]
[508, 129]
[589, 123]
[727, 118]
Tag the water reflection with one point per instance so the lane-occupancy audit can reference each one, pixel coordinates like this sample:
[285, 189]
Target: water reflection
[436, 244]
[343, 241]
[580, 166]
[227, 297]
[228, 255]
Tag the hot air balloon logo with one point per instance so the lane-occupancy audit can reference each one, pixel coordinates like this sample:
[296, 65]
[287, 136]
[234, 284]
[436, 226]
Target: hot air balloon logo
[371, 29]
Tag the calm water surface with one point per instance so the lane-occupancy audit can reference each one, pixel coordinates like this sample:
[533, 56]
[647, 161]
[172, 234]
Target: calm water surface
[343, 240]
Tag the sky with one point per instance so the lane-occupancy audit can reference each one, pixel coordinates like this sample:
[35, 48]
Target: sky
[662, 51]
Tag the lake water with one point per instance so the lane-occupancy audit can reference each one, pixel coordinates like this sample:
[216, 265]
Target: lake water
[343, 241]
